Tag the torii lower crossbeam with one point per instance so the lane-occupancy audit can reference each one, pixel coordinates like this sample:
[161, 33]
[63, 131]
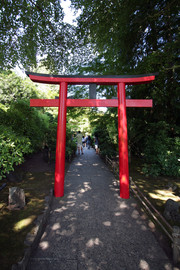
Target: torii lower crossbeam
[121, 103]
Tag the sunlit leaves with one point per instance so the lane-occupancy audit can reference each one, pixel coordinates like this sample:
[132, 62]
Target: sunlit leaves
[29, 29]
[13, 87]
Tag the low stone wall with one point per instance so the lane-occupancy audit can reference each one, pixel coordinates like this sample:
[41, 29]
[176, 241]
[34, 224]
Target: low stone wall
[32, 240]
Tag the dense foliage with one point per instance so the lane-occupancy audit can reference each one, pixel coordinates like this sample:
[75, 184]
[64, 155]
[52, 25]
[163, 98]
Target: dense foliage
[23, 129]
[34, 29]
[13, 88]
[104, 127]
[71, 145]
[138, 37]
[22, 132]
[161, 151]
[27, 29]
[12, 149]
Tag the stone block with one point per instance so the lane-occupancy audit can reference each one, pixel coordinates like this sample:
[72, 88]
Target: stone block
[176, 244]
[171, 210]
[16, 198]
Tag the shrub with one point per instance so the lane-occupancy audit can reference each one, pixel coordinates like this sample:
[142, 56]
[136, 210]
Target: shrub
[28, 122]
[22, 131]
[161, 152]
[70, 143]
[51, 136]
[12, 149]
[106, 144]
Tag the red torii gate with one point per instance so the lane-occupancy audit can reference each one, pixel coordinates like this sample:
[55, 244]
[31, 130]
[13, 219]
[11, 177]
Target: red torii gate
[63, 102]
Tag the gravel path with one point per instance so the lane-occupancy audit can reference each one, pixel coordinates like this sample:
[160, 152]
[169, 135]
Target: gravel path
[92, 228]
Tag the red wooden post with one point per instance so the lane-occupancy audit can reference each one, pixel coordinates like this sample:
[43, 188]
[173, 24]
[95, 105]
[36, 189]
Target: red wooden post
[61, 142]
[123, 143]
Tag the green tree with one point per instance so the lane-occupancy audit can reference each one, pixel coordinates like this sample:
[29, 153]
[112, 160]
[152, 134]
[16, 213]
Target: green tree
[124, 32]
[138, 37]
[12, 88]
[30, 29]
[104, 126]
[34, 29]
[135, 37]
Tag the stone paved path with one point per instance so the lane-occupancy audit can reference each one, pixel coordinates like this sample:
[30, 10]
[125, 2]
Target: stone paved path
[92, 228]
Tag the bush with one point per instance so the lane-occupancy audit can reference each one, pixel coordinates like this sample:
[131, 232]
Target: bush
[70, 144]
[12, 149]
[161, 152]
[106, 145]
[28, 122]
[22, 131]
[51, 137]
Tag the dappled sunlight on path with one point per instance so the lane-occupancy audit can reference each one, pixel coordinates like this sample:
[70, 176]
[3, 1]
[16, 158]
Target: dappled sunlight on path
[92, 228]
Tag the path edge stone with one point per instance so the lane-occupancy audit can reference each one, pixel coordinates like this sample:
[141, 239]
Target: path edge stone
[32, 240]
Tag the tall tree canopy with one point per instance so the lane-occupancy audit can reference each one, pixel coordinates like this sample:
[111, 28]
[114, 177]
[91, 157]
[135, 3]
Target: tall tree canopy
[136, 37]
[126, 31]
[31, 29]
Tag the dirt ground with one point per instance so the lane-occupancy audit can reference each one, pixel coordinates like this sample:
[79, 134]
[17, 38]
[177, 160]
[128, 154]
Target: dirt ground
[36, 177]
[36, 163]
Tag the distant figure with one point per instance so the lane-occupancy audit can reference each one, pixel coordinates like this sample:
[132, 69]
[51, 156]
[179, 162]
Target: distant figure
[83, 141]
[86, 138]
[96, 144]
[88, 142]
[46, 150]
[79, 142]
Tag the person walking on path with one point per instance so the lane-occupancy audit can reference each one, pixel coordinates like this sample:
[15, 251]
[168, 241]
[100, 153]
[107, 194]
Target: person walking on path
[96, 144]
[88, 141]
[83, 141]
[79, 143]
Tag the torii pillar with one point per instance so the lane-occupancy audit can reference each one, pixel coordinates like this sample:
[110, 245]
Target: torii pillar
[63, 102]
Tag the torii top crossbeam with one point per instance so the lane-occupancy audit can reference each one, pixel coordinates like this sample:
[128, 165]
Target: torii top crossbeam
[121, 81]
[101, 80]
